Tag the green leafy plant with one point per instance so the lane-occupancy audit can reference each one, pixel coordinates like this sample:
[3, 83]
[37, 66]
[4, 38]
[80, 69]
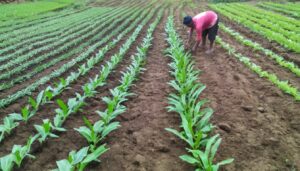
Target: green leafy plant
[114, 107]
[7, 162]
[204, 159]
[17, 155]
[257, 47]
[97, 132]
[20, 152]
[123, 27]
[62, 113]
[45, 130]
[9, 123]
[195, 123]
[262, 26]
[79, 160]
[283, 85]
[25, 115]
[94, 133]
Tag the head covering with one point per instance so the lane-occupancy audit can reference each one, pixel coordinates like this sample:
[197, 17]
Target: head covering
[187, 20]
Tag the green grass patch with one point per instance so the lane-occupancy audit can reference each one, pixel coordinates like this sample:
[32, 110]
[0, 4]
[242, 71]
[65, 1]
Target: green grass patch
[29, 9]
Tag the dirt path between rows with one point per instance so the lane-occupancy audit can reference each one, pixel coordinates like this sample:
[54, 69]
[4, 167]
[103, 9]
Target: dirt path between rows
[258, 123]
[262, 60]
[142, 143]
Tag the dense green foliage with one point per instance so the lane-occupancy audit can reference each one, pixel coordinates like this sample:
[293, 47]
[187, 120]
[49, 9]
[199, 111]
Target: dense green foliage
[274, 27]
[28, 9]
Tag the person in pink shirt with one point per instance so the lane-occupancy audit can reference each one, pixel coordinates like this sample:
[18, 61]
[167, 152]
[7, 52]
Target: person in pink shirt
[206, 25]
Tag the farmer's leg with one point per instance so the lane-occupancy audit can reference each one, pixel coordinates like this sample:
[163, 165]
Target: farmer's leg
[213, 32]
[204, 35]
[211, 45]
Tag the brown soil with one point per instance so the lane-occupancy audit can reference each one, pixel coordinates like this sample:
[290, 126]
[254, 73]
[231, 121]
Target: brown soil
[24, 84]
[142, 143]
[159, 143]
[262, 60]
[258, 123]
[47, 111]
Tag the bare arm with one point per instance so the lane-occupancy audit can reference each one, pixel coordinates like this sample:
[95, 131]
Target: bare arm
[198, 40]
[188, 42]
[190, 35]
[196, 46]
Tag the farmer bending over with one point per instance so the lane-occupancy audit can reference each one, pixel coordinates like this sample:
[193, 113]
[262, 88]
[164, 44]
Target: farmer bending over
[205, 23]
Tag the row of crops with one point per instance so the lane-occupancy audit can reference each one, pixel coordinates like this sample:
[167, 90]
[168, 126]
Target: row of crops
[285, 86]
[274, 27]
[242, 28]
[50, 93]
[95, 132]
[46, 57]
[81, 39]
[282, 83]
[68, 49]
[195, 121]
[289, 9]
[257, 47]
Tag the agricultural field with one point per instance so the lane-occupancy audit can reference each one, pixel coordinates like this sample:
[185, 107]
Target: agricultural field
[109, 85]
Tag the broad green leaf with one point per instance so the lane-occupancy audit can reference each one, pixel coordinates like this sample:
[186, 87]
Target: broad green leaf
[64, 165]
[16, 116]
[177, 134]
[198, 137]
[33, 103]
[25, 113]
[224, 162]
[6, 162]
[214, 149]
[209, 144]
[39, 98]
[97, 153]
[189, 159]
[98, 126]
[204, 159]
[80, 155]
[187, 130]
[109, 128]
[87, 123]
[62, 105]
[49, 94]
[53, 135]
[57, 120]
[92, 157]
[39, 128]
[85, 132]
